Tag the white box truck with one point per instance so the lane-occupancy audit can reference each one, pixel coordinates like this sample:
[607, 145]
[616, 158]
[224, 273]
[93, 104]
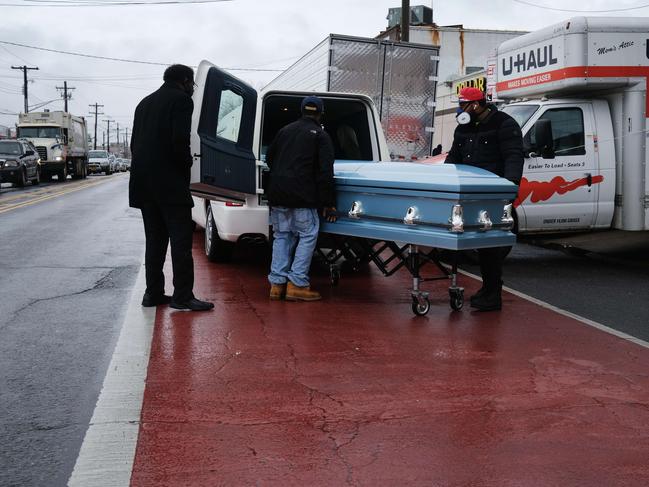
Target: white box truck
[61, 140]
[579, 91]
[399, 77]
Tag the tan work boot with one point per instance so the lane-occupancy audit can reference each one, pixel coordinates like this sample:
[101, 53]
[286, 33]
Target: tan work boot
[296, 293]
[277, 291]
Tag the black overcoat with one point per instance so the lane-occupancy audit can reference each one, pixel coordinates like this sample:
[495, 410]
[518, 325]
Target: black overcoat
[161, 157]
[494, 144]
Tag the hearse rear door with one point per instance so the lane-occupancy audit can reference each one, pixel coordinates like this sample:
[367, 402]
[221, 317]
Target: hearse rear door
[222, 136]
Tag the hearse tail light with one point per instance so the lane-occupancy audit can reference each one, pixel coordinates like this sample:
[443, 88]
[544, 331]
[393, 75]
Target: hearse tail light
[457, 219]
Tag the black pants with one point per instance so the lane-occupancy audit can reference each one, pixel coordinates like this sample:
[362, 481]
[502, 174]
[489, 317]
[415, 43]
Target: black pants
[164, 224]
[491, 266]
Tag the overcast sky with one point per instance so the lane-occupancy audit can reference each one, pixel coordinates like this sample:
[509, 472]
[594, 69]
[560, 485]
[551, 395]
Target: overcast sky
[260, 34]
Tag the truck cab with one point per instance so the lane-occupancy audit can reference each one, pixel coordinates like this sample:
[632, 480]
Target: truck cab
[233, 126]
[570, 185]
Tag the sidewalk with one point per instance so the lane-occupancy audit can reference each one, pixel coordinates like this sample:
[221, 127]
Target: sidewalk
[356, 390]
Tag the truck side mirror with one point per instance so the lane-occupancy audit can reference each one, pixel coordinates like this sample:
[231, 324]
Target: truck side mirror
[544, 139]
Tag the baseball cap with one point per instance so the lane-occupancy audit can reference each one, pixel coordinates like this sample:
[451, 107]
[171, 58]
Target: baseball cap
[312, 104]
[470, 94]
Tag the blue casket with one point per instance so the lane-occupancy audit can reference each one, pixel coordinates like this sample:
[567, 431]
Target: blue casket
[444, 206]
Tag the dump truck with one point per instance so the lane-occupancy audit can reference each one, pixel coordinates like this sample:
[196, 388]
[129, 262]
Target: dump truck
[61, 140]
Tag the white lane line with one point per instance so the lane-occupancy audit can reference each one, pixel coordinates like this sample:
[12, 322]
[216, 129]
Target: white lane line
[563, 312]
[108, 449]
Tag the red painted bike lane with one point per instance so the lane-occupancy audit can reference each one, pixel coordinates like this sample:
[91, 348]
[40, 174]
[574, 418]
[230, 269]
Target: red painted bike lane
[355, 390]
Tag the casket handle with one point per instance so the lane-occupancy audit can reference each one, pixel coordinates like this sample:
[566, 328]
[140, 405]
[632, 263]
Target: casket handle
[412, 216]
[484, 220]
[356, 210]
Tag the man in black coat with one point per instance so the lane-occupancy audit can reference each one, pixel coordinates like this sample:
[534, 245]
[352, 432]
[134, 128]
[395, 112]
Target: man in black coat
[159, 186]
[491, 140]
[301, 181]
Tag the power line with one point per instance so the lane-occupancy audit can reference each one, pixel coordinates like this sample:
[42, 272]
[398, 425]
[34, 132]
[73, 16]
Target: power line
[40, 105]
[582, 11]
[108, 4]
[107, 58]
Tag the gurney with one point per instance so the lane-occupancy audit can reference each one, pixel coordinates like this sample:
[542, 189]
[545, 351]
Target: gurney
[401, 215]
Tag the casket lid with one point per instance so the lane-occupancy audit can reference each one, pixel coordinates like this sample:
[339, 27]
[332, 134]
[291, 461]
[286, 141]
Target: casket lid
[447, 178]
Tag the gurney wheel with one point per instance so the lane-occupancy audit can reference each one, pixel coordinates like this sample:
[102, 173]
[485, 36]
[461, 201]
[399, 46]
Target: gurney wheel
[334, 275]
[457, 298]
[420, 307]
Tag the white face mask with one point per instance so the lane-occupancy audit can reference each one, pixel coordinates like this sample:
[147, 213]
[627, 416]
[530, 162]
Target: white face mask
[463, 118]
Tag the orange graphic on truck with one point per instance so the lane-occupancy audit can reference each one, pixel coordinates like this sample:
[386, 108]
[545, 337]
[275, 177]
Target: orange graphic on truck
[544, 190]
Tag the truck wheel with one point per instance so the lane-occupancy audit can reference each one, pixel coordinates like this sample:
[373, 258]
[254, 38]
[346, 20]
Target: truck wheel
[63, 174]
[78, 171]
[216, 249]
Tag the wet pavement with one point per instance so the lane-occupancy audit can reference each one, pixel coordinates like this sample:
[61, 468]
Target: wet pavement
[67, 268]
[355, 390]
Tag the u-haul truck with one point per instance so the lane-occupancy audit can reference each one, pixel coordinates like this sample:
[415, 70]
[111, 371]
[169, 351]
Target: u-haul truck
[579, 92]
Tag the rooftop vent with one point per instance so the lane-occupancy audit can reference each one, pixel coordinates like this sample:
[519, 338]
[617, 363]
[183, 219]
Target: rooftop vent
[419, 15]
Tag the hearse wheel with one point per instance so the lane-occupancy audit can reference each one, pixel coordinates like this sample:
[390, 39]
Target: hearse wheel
[216, 249]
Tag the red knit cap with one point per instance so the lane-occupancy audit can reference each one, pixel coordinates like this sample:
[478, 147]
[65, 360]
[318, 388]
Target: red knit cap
[471, 94]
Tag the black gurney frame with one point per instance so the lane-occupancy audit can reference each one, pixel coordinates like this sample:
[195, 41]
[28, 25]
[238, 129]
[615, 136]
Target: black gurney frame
[357, 251]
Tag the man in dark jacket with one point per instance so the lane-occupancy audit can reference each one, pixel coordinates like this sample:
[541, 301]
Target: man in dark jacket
[159, 186]
[301, 181]
[491, 140]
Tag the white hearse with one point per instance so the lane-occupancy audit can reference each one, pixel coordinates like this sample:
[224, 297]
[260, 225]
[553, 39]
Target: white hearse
[232, 127]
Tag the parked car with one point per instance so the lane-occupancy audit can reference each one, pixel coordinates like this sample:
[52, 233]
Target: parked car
[99, 161]
[127, 164]
[19, 162]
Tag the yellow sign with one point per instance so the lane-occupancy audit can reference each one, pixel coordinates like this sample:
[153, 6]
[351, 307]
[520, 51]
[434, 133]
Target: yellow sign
[480, 83]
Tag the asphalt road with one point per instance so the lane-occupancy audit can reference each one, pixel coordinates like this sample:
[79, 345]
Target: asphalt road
[609, 288]
[68, 262]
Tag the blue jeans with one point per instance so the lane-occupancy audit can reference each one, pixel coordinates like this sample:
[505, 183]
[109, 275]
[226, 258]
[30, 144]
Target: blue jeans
[296, 233]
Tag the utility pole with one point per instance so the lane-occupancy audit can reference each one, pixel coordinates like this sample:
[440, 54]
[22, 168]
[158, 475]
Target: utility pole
[103, 139]
[108, 134]
[96, 105]
[405, 20]
[125, 139]
[118, 134]
[66, 96]
[24, 69]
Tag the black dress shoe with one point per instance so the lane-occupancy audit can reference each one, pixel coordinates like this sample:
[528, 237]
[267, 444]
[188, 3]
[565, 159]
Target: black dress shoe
[488, 301]
[150, 301]
[477, 295]
[192, 305]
